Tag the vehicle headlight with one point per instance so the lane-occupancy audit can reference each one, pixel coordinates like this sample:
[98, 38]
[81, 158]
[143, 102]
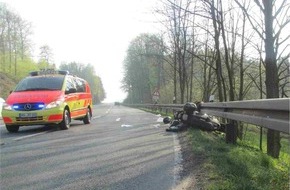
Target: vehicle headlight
[54, 104]
[6, 106]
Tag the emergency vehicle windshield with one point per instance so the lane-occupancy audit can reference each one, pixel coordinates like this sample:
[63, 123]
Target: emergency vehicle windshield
[40, 83]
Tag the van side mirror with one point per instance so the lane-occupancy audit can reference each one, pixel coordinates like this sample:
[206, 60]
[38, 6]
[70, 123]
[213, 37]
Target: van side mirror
[71, 90]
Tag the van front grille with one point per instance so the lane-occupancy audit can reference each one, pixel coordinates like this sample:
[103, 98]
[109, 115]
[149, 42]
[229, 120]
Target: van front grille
[39, 118]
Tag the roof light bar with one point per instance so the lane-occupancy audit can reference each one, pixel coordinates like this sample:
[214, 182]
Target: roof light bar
[63, 72]
[48, 72]
[33, 73]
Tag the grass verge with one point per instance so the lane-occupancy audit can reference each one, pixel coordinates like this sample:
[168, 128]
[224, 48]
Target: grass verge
[241, 166]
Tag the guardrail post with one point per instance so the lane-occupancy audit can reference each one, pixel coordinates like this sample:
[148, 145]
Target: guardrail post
[231, 132]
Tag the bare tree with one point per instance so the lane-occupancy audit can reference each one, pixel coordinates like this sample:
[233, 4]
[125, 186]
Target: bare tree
[178, 20]
[215, 16]
[46, 54]
[275, 20]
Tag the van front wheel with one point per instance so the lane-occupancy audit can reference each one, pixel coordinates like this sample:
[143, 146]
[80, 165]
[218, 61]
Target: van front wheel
[65, 124]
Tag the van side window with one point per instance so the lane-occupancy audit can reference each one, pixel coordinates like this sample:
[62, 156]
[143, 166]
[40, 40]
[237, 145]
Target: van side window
[69, 84]
[80, 84]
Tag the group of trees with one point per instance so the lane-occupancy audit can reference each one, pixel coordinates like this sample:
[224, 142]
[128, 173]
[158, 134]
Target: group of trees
[15, 42]
[209, 48]
[143, 68]
[234, 50]
[16, 60]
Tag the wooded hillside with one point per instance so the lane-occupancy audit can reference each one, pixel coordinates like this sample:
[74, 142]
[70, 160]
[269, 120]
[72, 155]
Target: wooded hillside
[7, 83]
[16, 60]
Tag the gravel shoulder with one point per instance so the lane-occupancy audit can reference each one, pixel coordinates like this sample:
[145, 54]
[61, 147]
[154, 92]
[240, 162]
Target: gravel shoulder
[191, 173]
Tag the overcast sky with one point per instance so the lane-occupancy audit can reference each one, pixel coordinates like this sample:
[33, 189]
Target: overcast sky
[89, 31]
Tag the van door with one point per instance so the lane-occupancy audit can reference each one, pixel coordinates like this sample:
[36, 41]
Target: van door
[81, 93]
[71, 96]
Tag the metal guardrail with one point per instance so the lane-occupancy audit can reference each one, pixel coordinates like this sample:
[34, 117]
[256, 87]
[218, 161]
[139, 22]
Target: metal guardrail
[268, 113]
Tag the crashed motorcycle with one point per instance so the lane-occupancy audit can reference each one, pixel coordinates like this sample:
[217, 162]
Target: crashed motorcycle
[190, 117]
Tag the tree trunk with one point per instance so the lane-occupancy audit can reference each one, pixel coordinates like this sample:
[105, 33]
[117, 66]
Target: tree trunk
[217, 47]
[227, 61]
[272, 82]
[175, 79]
[241, 65]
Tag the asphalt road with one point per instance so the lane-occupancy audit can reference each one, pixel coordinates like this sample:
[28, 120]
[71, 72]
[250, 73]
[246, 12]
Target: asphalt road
[123, 148]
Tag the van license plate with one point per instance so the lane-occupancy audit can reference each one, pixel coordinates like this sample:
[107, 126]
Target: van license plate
[27, 115]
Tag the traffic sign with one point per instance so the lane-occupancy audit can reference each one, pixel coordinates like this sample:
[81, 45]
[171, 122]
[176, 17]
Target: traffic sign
[156, 95]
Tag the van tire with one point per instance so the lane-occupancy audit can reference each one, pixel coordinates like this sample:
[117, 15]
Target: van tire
[88, 117]
[12, 128]
[65, 123]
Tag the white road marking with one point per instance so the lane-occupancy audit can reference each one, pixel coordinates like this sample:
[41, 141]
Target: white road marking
[108, 111]
[118, 119]
[157, 125]
[126, 125]
[97, 117]
[28, 136]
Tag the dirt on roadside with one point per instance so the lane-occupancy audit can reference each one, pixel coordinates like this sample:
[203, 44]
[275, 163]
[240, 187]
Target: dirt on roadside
[191, 173]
